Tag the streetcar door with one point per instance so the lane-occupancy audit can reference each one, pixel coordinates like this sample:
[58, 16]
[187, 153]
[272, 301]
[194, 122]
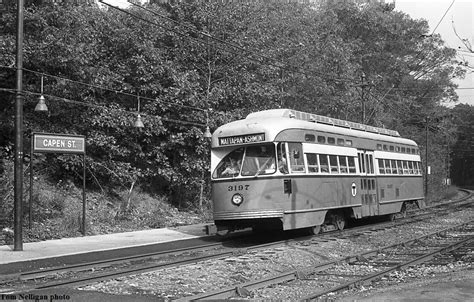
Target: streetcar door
[368, 186]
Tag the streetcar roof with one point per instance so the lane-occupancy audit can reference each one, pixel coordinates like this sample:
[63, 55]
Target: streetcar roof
[273, 122]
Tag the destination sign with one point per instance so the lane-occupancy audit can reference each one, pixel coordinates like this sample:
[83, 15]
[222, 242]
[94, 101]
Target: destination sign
[59, 143]
[241, 139]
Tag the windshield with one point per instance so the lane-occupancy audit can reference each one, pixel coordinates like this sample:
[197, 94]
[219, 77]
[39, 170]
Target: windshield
[230, 164]
[258, 160]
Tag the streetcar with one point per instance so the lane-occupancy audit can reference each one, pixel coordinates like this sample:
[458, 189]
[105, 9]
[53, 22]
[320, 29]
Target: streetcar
[287, 169]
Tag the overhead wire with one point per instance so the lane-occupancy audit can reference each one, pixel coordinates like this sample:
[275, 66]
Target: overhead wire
[66, 100]
[272, 62]
[427, 36]
[199, 40]
[447, 10]
[114, 91]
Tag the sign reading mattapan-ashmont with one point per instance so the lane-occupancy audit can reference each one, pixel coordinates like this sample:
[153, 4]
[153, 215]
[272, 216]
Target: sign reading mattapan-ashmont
[58, 143]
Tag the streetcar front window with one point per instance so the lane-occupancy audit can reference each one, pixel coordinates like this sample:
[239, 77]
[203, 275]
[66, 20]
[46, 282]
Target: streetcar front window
[230, 164]
[259, 160]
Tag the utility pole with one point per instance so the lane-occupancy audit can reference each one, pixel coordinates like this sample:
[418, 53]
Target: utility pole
[362, 86]
[426, 157]
[18, 171]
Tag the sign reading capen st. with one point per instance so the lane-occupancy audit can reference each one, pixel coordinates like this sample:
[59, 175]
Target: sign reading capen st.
[58, 143]
[242, 139]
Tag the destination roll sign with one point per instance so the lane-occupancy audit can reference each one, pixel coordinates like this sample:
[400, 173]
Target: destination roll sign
[58, 143]
[241, 139]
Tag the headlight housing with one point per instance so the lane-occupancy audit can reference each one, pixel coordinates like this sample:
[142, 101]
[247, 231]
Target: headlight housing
[237, 199]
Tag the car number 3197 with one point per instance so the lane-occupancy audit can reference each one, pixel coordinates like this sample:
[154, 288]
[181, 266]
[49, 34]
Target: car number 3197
[238, 188]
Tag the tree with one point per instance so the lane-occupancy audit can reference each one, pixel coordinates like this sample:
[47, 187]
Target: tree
[211, 63]
[462, 151]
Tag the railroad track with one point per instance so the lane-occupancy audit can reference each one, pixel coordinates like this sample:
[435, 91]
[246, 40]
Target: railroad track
[113, 268]
[333, 276]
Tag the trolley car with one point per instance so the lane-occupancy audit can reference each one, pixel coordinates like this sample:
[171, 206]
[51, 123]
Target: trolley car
[288, 169]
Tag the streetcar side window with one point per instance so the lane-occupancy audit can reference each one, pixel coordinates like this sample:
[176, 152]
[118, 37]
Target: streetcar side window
[321, 139]
[333, 163]
[281, 158]
[410, 167]
[405, 167]
[309, 138]
[394, 166]
[324, 163]
[381, 166]
[361, 163]
[400, 168]
[312, 160]
[343, 164]
[340, 141]
[296, 157]
[331, 140]
[370, 161]
[388, 170]
[352, 165]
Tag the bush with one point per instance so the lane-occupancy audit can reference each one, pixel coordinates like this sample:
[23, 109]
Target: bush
[106, 213]
[6, 194]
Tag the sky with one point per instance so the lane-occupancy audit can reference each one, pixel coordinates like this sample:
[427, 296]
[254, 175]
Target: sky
[441, 16]
[461, 15]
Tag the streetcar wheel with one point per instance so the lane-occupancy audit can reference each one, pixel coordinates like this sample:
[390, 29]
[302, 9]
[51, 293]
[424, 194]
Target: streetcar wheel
[315, 230]
[339, 221]
[403, 211]
[391, 217]
[223, 233]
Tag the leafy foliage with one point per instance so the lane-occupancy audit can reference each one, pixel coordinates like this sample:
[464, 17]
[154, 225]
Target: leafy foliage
[216, 62]
[462, 150]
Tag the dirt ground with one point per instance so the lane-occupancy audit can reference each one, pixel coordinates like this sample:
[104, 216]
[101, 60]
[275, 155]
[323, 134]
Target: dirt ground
[456, 286]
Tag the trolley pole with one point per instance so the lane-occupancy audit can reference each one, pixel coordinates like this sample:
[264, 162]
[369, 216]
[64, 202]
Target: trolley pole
[18, 170]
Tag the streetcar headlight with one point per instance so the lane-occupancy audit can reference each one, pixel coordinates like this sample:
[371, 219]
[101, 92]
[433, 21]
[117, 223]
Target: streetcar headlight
[237, 199]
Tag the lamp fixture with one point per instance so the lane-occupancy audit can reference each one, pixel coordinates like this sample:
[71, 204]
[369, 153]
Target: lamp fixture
[207, 133]
[41, 106]
[138, 121]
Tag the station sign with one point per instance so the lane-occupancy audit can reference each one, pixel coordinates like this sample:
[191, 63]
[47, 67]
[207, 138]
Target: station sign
[58, 143]
[241, 139]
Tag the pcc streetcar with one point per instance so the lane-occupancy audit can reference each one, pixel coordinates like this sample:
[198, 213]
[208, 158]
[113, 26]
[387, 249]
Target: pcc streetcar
[288, 169]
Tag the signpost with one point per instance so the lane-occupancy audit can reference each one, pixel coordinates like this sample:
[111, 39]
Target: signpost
[60, 143]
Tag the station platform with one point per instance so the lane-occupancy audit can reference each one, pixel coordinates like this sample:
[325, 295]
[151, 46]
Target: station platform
[53, 253]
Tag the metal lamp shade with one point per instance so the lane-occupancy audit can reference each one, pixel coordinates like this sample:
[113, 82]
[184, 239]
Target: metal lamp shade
[41, 106]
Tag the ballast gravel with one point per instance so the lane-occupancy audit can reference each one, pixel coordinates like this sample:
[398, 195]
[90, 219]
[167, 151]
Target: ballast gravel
[192, 279]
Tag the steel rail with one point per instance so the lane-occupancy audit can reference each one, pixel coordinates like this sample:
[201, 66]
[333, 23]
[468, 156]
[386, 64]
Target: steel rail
[136, 270]
[415, 216]
[108, 262]
[104, 263]
[243, 288]
[370, 278]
